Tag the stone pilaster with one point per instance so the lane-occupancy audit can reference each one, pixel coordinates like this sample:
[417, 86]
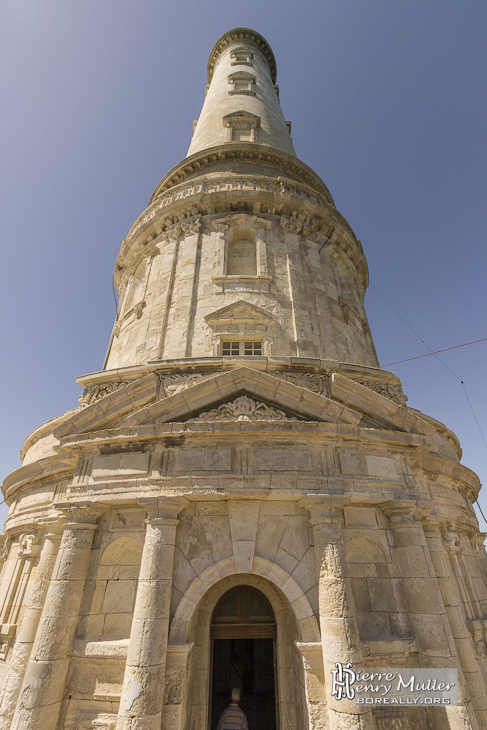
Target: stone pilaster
[312, 654]
[176, 685]
[30, 622]
[42, 691]
[143, 687]
[442, 553]
[339, 630]
[436, 647]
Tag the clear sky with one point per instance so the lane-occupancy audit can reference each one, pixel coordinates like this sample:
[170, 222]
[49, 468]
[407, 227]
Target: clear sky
[388, 104]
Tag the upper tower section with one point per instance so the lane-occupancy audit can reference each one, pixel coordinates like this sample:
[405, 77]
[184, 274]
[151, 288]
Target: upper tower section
[242, 102]
[241, 252]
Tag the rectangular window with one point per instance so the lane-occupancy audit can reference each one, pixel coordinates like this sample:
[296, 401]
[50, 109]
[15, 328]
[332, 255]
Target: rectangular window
[253, 347]
[231, 348]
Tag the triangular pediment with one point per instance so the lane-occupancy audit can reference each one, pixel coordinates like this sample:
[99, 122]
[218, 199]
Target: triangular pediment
[242, 312]
[242, 394]
[111, 409]
[224, 388]
[379, 411]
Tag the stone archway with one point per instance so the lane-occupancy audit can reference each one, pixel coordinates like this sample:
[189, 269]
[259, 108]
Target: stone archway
[190, 644]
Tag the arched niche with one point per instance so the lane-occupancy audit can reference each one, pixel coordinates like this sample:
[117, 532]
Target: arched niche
[277, 616]
[136, 289]
[241, 255]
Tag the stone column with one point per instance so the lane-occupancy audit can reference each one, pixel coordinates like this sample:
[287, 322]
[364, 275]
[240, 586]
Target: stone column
[42, 692]
[339, 630]
[30, 622]
[442, 551]
[436, 647]
[143, 686]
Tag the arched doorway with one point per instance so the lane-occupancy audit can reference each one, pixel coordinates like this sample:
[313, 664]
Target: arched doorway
[243, 655]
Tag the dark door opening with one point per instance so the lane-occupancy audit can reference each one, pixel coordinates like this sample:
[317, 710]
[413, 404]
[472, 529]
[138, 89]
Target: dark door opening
[249, 665]
[243, 632]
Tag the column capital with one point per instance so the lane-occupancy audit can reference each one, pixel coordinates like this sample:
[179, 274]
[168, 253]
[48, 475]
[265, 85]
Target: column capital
[324, 509]
[403, 513]
[53, 524]
[163, 510]
[82, 515]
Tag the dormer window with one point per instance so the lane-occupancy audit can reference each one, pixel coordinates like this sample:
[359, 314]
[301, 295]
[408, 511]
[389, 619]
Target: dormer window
[242, 83]
[242, 56]
[242, 126]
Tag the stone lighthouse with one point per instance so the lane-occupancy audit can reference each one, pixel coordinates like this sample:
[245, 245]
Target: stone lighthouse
[242, 498]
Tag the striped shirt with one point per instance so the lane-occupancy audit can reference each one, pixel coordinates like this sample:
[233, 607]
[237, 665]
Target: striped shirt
[233, 718]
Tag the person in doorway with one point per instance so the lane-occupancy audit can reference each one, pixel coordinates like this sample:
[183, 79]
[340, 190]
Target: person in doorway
[233, 718]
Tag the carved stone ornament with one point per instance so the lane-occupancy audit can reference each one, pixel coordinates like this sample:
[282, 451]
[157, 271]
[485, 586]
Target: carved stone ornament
[138, 309]
[173, 232]
[478, 631]
[311, 381]
[393, 392]
[451, 539]
[6, 548]
[192, 226]
[172, 384]
[26, 542]
[244, 408]
[95, 392]
[299, 223]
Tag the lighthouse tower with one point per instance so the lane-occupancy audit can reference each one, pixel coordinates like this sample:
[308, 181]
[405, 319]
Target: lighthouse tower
[242, 497]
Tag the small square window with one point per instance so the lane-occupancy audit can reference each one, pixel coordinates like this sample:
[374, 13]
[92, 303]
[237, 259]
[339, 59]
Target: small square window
[231, 348]
[254, 347]
[242, 56]
[241, 83]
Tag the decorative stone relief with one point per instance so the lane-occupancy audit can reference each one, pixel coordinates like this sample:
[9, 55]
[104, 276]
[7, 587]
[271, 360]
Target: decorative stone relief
[95, 392]
[7, 633]
[138, 309]
[189, 227]
[244, 408]
[311, 381]
[451, 539]
[6, 548]
[172, 384]
[393, 392]
[297, 224]
[27, 543]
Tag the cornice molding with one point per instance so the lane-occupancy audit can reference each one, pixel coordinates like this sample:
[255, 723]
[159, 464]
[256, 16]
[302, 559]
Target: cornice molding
[251, 151]
[243, 36]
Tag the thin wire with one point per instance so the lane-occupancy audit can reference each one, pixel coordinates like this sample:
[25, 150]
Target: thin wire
[402, 318]
[473, 412]
[480, 510]
[427, 354]
[426, 344]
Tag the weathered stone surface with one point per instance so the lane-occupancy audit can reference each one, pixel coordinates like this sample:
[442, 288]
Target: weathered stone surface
[240, 436]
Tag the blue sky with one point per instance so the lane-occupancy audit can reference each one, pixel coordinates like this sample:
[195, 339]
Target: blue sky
[388, 104]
